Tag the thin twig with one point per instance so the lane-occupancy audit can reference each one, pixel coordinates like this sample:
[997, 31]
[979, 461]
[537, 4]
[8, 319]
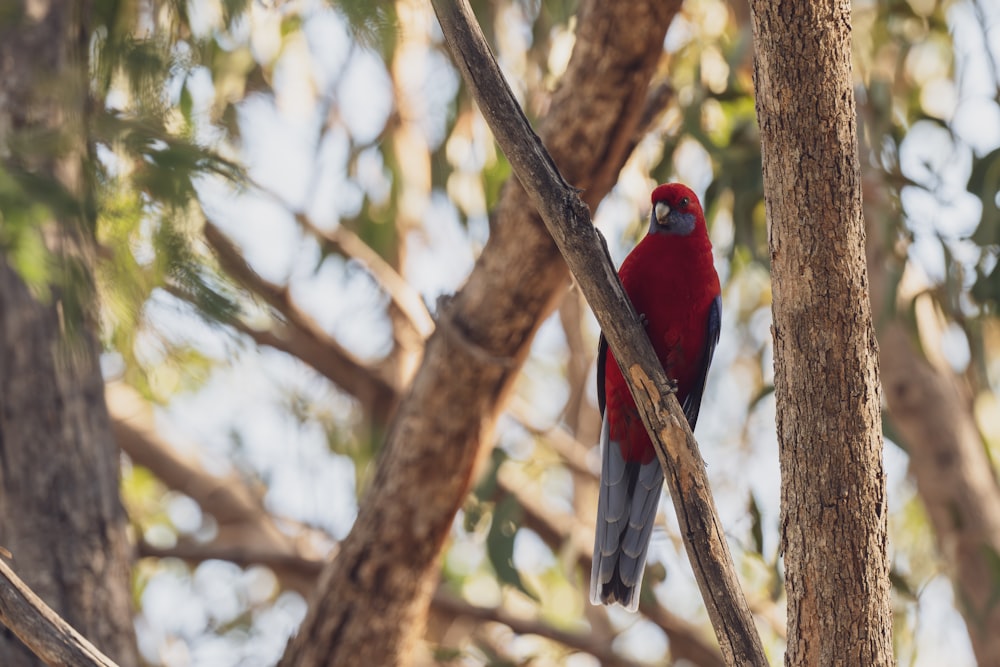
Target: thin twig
[448, 603]
[568, 220]
[366, 382]
[349, 245]
[244, 524]
[573, 452]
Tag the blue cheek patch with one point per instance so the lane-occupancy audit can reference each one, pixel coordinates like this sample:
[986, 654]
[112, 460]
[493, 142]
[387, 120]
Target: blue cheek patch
[678, 224]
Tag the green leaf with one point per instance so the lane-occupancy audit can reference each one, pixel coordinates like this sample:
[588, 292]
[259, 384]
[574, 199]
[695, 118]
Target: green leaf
[901, 585]
[986, 289]
[756, 526]
[764, 392]
[373, 24]
[186, 105]
[500, 544]
[984, 182]
[487, 487]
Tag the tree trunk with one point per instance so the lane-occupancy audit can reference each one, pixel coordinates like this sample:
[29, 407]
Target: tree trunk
[948, 458]
[372, 600]
[60, 515]
[833, 494]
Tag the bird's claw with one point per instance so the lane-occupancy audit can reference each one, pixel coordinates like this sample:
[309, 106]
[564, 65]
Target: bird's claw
[643, 320]
[672, 385]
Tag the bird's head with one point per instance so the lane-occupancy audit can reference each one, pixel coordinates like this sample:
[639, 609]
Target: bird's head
[676, 211]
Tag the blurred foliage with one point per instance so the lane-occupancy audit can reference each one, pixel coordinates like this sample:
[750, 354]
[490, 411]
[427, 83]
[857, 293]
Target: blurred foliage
[188, 97]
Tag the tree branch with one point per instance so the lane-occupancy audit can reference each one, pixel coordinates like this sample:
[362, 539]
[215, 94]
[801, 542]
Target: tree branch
[448, 603]
[348, 244]
[243, 522]
[248, 534]
[47, 635]
[325, 353]
[568, 221]
[294, 571]
[309, 569]
[578, 412]
[573, 452]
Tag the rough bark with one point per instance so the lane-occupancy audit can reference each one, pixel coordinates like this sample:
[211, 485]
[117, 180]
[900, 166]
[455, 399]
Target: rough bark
[833, 519]
[60, 515]
[45, 633]
[371, 602]
[948, 458]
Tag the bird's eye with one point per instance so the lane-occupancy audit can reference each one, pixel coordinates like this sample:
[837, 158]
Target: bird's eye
[684, 202]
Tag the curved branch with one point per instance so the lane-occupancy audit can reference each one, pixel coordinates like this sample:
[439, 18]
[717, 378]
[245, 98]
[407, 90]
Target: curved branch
[307, 570]
[244, 525]
[348, 244]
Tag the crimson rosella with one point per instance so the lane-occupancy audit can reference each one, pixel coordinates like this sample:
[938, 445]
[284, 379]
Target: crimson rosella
[670, 278]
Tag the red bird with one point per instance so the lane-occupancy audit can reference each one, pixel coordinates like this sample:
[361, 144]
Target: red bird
[670, 278]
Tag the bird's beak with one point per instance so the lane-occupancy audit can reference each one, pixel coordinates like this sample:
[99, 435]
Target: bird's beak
[661, 211]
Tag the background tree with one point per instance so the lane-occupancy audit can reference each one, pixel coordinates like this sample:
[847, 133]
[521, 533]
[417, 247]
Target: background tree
[263, 314]
[61, 518]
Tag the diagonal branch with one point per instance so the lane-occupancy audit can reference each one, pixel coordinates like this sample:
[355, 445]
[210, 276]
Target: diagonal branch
[308, 570]
[336, 362]
[348, 244]
[243, 522]
[568, 220]
[371, 602]
[228, 500]
[294, 571]
[573, 452]
[47, 635]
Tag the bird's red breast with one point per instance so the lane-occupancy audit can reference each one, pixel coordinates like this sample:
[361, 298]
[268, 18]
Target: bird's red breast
[671, 280]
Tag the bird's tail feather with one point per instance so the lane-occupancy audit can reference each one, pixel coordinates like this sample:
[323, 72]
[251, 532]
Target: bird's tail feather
[626, 510]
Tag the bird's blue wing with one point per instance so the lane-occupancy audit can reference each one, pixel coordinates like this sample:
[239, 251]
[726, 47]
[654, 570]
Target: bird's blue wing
[692, 402]
[602, 355]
